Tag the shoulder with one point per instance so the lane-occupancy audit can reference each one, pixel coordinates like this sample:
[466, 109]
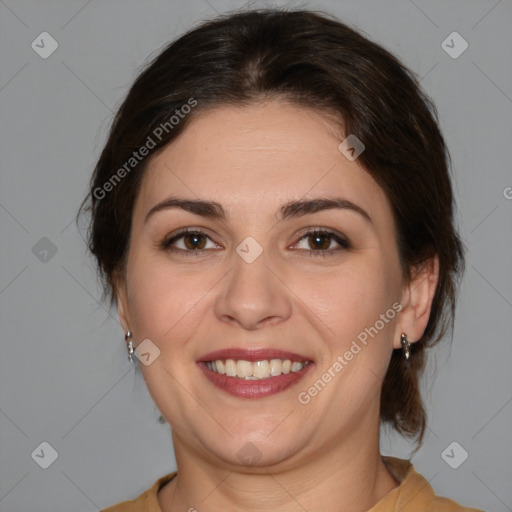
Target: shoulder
[414, 493]
[440, 504]
[146, 502]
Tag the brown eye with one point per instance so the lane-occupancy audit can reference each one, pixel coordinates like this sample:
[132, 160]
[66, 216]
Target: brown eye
[194, 241]
[188, 242]
[318, 243]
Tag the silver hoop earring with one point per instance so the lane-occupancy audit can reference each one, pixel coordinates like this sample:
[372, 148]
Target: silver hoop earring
[128, 338]
[405, 347]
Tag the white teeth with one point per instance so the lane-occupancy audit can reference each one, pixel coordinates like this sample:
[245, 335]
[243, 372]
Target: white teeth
[230, 368]
[295, 366]
[248, 370]
[275, 367]
[261, 369]
[244, 369]
[221, 368]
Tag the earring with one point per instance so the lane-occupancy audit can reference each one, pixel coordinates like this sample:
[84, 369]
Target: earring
[128, 338]
[405, 347]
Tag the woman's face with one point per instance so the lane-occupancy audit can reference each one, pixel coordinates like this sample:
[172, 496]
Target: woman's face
[256, 279]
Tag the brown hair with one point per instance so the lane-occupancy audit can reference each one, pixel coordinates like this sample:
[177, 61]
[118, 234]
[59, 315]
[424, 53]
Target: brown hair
[313, 60]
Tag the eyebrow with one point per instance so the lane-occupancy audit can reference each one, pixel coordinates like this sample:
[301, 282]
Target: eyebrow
[292, 209]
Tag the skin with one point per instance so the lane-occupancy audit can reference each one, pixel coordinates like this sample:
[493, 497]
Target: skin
[323, 456]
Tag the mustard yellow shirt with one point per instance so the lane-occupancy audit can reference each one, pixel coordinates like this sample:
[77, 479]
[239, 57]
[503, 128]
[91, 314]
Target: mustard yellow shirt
[413, 494]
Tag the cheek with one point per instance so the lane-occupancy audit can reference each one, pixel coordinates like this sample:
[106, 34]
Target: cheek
[352, 298]
[162, 302]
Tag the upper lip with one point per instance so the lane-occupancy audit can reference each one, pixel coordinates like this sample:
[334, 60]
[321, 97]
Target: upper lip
[259, 354]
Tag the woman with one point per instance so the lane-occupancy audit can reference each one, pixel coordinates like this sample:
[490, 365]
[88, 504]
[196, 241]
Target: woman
[272, 214]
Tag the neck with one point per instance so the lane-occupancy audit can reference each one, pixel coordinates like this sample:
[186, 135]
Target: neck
[350, 476]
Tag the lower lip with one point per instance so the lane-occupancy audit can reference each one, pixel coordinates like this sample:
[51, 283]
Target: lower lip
[254, 388]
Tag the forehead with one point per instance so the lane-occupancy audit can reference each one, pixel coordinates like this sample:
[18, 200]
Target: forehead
[261, 156]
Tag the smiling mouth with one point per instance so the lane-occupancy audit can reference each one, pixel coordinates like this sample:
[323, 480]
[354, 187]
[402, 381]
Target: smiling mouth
[255, 370]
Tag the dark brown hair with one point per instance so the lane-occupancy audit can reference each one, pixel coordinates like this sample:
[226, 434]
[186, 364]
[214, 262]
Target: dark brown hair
[314, 61]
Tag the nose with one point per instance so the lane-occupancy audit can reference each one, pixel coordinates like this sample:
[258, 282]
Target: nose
[253, 295]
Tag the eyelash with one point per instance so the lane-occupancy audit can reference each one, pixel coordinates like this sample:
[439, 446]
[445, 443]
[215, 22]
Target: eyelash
[344, 243]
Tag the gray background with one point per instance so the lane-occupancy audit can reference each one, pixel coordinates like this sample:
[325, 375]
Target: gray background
[65, 377]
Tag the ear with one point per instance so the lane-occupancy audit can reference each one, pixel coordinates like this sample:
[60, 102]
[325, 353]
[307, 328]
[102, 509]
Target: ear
[123, 309]
[417, 297]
